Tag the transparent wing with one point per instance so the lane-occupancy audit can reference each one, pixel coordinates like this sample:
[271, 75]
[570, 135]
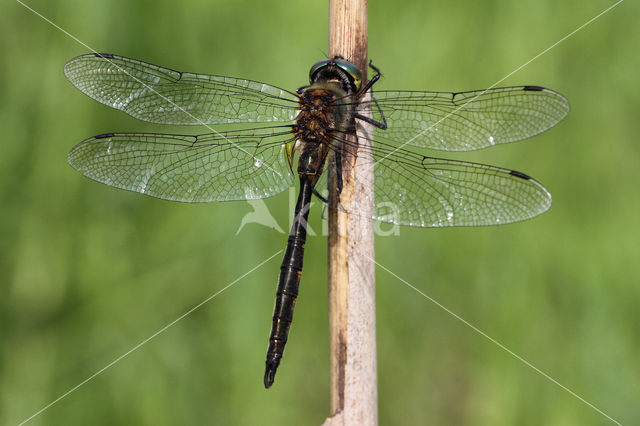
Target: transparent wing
[466, 121]
[240, 165]
[415, 190]
[161, 95]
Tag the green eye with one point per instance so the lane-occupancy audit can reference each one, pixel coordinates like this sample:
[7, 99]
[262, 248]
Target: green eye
[352, 71]
[317, 67]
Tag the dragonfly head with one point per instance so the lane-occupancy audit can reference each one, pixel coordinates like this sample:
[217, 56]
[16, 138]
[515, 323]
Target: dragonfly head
[337, 69]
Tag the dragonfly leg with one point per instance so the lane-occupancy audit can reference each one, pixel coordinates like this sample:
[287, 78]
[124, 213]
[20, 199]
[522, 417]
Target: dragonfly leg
[371, 121]
[320, 197]
[339, 172]
[373, 80]
[368, 86]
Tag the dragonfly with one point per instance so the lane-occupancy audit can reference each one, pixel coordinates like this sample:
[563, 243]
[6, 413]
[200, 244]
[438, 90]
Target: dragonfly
[317, 124]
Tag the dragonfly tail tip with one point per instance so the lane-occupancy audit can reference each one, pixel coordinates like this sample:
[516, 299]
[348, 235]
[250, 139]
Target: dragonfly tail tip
[269, 376]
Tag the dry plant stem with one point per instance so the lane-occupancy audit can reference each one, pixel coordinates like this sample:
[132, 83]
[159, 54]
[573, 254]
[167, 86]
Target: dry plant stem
[351, 272]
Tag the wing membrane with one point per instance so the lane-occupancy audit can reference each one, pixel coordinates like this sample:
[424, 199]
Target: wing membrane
[466, 121]
[242, 165]
[416, 190]
[161, 95]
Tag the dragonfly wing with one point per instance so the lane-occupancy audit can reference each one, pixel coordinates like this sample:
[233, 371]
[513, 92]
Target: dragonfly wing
[239, 165]
[415, 190]
[161, 95]
[466, 121]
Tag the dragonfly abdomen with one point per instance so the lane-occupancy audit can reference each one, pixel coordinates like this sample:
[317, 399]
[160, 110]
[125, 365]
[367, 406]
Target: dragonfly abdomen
[288, 282]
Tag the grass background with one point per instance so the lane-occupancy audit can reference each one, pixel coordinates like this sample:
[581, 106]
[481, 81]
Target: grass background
[87, 271]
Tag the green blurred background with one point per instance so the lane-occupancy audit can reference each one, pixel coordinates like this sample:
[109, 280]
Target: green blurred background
[88, 271]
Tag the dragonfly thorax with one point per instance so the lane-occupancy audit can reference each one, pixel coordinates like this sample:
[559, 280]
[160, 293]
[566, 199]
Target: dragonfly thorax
[320, 113]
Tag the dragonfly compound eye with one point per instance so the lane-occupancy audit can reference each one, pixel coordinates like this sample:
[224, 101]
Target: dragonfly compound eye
[317, 67]
[352, 72]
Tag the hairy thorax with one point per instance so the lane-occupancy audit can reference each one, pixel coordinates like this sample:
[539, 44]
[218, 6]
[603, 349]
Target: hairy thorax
[322, 113]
